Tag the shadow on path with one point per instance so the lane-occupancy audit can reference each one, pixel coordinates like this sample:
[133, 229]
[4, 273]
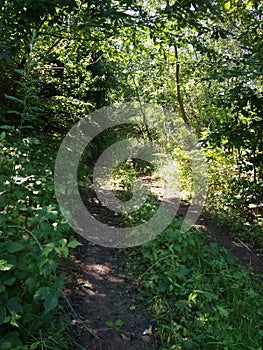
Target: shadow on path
[100, 293]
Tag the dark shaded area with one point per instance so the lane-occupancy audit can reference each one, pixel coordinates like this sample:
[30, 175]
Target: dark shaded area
[100, 293]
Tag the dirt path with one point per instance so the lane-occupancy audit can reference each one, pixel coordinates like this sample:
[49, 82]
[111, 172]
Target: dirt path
[100, 293]
[103, 294]
[246, 255]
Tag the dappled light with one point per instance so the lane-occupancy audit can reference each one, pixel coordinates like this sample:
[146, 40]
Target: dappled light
[131, 175]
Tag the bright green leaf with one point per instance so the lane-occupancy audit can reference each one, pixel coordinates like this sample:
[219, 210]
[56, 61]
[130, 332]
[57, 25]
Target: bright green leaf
[2, 136]
[74, 244]
[4, 266]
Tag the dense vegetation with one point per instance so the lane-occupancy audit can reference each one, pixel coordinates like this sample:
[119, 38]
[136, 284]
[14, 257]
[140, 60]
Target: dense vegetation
[201, 297]
[200, 60]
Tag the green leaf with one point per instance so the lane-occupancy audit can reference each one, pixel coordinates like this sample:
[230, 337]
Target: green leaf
[109, 323]
[13, 98]
[50, 297]
[223, 312]
[36, 109]
[63, 242]
[51, 301]
[32, 284]
[4, 266]
[227, 5]
[2, 315]
[10, 341]
[35, 345]
[7, 127]
[14, 306]
[59, 281]
[42, 293]
[74, 244]
[13, 247]
[65, 251]
[14, 319]
[2, 136]
[10, 281]
[119, 323]
[116, 325]
[2, 202]
[11, 111]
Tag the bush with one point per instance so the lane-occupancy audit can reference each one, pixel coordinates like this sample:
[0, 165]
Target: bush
[33, 236]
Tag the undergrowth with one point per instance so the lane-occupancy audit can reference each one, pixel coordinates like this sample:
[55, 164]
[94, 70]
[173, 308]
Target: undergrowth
[200, 296]
[235, 198]
[33, 237]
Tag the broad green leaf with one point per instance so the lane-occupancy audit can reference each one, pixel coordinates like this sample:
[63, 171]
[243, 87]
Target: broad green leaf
[63, 242]
[32, 283]
[50, 297]
[2, 136]
[42, 293]
[64, 251]
[59, 281]
[10, 281]
[14, 306]
[51, 301]
[227, 5]
[74, 244]
[13, 247]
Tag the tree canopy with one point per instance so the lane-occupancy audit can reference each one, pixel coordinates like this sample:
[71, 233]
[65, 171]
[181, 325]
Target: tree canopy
[60, 60]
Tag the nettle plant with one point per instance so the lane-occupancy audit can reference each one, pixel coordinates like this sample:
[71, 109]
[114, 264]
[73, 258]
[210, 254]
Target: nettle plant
[33, 236]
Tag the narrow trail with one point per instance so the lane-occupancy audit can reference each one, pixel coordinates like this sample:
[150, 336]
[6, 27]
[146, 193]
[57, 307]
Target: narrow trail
[248, 256]
[100, 292]
[103, 294]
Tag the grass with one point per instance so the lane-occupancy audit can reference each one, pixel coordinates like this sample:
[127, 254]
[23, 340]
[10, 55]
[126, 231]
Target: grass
[200, 296]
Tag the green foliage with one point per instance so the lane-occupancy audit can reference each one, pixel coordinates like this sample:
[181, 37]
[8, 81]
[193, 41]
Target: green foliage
[61, 59]
[123, 176]
[115, 325]
[33, 235]
[234, 198]
[26, 109]
[200, 296]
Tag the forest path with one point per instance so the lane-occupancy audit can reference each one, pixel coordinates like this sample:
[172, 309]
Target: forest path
[100, 292]
[104, 294]
[220, 234]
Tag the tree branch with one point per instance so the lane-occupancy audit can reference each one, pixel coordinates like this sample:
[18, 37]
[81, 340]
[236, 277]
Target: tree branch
[178, 88]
